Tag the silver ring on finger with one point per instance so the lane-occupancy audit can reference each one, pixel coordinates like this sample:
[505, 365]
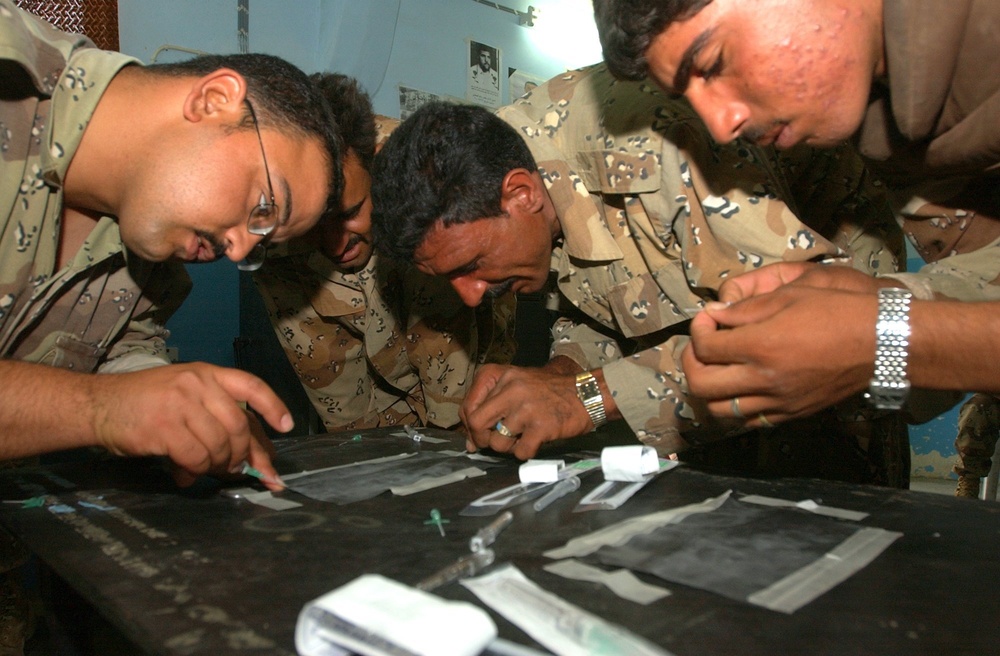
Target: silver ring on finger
[503, 430]
[735, 406]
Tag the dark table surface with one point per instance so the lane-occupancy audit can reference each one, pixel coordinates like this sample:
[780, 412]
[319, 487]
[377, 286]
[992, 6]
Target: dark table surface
[197, 572]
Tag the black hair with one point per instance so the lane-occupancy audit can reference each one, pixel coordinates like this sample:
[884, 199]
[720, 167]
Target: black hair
[627, 27]
[352, 109]
[283, 97]
[445, 163]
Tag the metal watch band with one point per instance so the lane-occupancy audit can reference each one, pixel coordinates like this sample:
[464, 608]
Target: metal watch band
[889, 388]
[590, 395]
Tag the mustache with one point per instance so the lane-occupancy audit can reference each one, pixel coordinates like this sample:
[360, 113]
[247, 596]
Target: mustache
[498, 290]
[755, 133]
[218, 248]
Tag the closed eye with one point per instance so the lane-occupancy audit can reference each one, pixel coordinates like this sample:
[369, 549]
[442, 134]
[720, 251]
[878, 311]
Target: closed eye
[713, 70]
[463, 270]
[351, 212]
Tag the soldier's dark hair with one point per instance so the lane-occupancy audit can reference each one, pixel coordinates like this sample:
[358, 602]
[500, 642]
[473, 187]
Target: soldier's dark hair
[283, 98]
[352, 109]
[444, 163]
[627, 27]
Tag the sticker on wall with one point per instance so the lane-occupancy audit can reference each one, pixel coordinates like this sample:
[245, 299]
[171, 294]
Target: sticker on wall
[482, 84]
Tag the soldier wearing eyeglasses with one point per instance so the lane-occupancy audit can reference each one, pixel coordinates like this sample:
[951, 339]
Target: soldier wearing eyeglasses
[114, 174]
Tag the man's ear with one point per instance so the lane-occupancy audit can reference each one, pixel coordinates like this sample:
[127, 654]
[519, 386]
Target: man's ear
[220, 94]
[523, 187]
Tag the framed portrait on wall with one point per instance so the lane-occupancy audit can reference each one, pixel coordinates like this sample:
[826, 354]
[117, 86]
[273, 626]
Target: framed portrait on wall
[482, 84]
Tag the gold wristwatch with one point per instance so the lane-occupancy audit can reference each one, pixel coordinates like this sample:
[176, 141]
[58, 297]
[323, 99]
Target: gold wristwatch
[590, 395]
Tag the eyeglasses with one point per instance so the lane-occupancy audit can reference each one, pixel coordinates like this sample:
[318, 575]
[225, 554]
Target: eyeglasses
[264, 216]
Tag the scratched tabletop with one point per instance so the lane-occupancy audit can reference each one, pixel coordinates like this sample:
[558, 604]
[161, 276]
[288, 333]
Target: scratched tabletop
[198, 571]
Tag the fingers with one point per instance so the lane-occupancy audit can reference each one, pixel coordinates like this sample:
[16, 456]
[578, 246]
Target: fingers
[481, 388]
[533, 404]
[245, 387]
[523, 444]
[712, 345]
[756, 411]
[182, 477]
[760, 281]
[260, 460]
[191, 414]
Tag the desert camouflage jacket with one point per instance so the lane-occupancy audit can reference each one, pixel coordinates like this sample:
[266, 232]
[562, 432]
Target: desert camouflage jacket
[383, 346]
[105, 309]
[655, 216]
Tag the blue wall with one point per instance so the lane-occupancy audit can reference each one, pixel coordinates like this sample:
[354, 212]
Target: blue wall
[932, 445]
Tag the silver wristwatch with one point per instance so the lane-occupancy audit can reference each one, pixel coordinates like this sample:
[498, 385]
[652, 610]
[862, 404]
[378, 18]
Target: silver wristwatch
[590, 395]
[889, 388]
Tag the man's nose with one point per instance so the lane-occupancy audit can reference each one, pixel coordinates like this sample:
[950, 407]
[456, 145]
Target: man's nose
[470, 290]
[241, 242]
[724, 116]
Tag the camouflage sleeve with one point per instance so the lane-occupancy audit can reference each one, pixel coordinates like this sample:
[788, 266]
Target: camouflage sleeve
[648, 386]
[441, 342]
[583, 344]
[496, 323]
[833, 192]
[959, 245]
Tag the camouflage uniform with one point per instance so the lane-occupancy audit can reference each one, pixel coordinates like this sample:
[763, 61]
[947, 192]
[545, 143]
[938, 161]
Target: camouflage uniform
[655, 216]
[381, 347]
[105, 310]
[978, 432]
[931, 133]
[385, 345]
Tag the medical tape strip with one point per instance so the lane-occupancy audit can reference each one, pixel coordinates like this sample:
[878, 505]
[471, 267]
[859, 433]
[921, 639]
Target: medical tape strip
[800, 587]
[622, 582]
[436, 481]
[264, 498]
[806, 504]
[620, 533]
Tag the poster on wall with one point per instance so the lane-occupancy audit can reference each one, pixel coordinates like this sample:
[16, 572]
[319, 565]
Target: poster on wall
[410, 100]
[482, 84]
[521, 83]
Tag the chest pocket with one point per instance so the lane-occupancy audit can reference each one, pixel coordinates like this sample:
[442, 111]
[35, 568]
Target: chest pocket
[640, 306]
[629, 170]
[74, 354]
